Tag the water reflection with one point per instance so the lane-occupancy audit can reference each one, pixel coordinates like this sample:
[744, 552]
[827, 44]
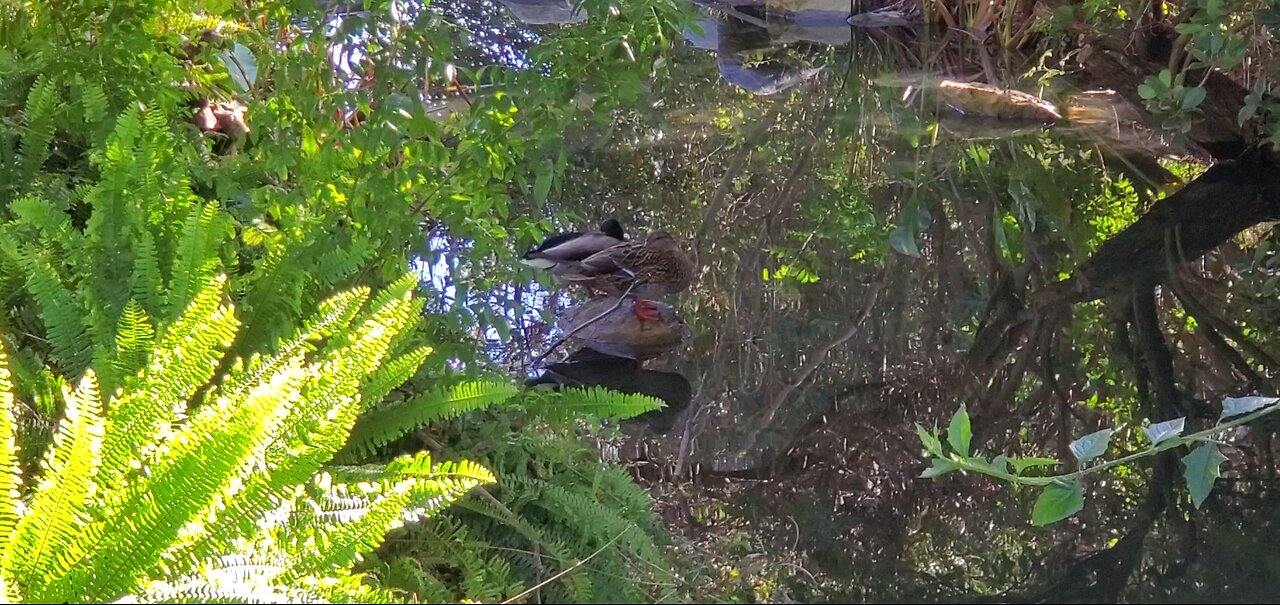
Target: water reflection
[867, 249]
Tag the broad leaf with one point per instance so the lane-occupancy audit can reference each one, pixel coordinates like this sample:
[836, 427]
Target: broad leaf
[929, 439]
[904, 241]
[1058, 501]
[1022, 464]
[242, 66]
[940, 467]
[1193, 97]
[1235, 406]
[958, 434]
[542, 184]
[1202, 470]
[1091, 446]
[1165, 430]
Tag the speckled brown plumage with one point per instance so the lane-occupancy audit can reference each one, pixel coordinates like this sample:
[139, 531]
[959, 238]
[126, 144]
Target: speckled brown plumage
[657, 266]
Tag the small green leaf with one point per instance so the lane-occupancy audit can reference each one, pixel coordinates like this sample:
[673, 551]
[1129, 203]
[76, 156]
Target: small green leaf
[1166, 78]
[1001, 462]
[1165, 430]
[1146, 91]
[929, 439]
[940, 467]
[1059, 500]
[1246, 112]
[1022, 464]
[958, 434]
[242, 66]
[1202, 470]
[542, 183]
[1193, 98]
[1091, 446]
[1235, 406]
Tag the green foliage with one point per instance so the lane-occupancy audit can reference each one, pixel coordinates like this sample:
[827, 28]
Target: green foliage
[558, 524]
[1063, 495]
[169, 494]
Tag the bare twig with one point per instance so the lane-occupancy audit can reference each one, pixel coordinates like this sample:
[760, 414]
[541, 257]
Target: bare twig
[555, 345]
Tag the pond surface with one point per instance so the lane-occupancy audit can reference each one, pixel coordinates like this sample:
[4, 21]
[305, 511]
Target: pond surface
[855, 223]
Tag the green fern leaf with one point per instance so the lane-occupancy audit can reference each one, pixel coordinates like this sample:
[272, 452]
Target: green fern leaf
[10, 480]
[597, 402]
[386, 424]
[41, 105]
[48, 539]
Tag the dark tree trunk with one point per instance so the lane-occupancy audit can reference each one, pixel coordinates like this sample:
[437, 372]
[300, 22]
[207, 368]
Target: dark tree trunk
[1229, 198]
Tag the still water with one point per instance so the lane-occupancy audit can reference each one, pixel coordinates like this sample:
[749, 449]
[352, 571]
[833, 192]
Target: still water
[858, 206]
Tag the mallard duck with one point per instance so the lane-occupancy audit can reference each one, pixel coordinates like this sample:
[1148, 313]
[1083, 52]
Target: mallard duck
[649, 269]
[574, 246]
[619, 328]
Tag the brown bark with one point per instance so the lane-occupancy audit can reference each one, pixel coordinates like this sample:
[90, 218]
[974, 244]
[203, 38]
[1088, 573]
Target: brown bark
[1225, 200]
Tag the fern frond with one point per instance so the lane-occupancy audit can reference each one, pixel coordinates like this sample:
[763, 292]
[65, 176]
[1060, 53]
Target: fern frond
[386, 424]
[48, 540]
[10, 480]
[183, 361]
[197, 258]
[41, 105]
[392, 375]
[596, 402]
[408, 481]
[134, 338]
[185, 479]
[61, 312]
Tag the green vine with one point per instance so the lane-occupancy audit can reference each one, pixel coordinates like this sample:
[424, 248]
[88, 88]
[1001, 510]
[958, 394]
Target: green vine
[1063, 495]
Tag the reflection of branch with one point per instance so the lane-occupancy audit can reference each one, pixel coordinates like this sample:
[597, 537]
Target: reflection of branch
[816, 359]
[566, 337]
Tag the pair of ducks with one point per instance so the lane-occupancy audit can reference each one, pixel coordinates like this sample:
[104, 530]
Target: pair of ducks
[605, 260]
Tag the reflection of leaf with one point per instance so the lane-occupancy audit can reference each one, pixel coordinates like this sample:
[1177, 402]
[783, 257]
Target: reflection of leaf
[958, 434]
[1058, 501]
[940, 467]
[1202, 470]
[929, 439]
[1022, 464]
[1193, 97]
[1165, 430]
[242, 65]
[542, 182]
[904, 241]
[1234, 406]
[1091, 446]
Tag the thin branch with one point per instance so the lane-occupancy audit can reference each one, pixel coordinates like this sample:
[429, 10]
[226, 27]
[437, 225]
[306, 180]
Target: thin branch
[566, 337]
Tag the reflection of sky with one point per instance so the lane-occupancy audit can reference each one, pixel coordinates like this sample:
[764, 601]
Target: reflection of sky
[444, 269]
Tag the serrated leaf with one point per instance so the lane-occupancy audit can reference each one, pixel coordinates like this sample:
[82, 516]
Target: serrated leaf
[241, 65]
[940, 467]
[904, 241]
[958, 433]
[1202, 470]
[1058, 501]
[1165, 430]
[1091, 446]
[1193, 98]
[542, 183]
[1022, 464]
[1235, 406]
[929, 439]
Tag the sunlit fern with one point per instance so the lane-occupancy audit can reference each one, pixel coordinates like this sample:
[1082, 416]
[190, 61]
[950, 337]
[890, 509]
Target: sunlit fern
[155, 493]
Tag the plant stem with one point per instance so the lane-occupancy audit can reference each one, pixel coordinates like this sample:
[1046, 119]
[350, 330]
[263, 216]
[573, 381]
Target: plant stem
[1204, 435]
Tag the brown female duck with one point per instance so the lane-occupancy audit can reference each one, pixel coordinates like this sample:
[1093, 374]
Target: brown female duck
[649, 269]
